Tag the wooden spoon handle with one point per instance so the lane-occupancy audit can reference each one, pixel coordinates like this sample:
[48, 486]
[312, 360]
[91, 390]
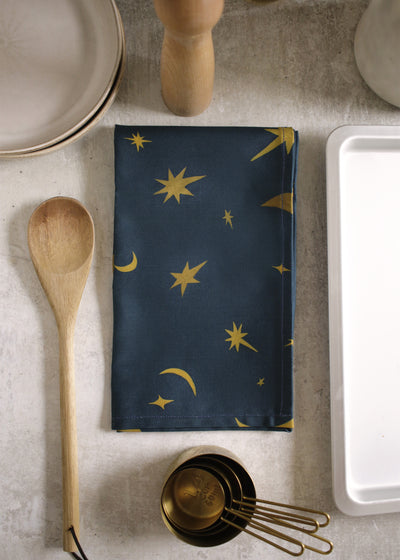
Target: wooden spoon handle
[69, 446]
[187, 56]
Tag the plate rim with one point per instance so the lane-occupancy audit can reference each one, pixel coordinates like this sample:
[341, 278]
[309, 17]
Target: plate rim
[95, 118]
[101, 100]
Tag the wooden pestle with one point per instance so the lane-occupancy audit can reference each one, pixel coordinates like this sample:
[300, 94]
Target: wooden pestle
[187, 56]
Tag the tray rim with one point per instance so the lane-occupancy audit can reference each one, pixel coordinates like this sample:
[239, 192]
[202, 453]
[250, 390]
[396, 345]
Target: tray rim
[337, 141]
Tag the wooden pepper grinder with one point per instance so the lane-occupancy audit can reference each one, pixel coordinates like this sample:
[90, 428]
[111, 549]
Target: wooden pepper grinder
[187, 56]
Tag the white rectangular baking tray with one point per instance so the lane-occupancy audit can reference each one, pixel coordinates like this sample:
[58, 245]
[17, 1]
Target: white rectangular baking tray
[363, 212]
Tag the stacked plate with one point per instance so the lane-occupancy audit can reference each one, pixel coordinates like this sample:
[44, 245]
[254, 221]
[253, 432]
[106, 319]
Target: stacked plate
[61, 65]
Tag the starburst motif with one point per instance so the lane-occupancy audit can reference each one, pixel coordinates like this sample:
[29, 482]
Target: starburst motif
[281, 268]
[261, 381]
[228, 218]
[283, 135]
[176, 186]
[187, 276]
[137, 140]
[161, 402]
[237, 338]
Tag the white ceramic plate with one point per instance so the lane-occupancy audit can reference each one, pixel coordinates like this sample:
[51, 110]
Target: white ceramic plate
[92, 122]
[58, 61]
[363, 202]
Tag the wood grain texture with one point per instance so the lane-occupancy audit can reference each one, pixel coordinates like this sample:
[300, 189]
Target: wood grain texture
[61, 242]
[187, 56]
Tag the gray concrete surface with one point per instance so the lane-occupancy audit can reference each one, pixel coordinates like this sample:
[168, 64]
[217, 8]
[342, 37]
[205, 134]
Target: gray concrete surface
[289, 63]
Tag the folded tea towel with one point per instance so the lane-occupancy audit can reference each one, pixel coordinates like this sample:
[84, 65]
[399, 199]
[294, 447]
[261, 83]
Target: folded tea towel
[204, 278]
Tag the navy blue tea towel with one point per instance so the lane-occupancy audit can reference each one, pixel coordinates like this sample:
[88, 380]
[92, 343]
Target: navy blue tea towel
[204, 278]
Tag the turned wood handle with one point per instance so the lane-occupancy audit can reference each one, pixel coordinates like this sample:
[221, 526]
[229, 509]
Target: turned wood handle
[187, 55]
[69, 446]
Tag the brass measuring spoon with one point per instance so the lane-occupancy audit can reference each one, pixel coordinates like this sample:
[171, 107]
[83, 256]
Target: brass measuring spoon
[61, 243]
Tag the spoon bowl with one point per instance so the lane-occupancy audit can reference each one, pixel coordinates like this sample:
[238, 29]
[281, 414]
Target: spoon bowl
[61, 243]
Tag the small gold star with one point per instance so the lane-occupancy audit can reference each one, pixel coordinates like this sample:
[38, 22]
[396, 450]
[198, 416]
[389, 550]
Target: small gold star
[290, 343]
[281, 268]
[137, 140]
[187, 276]
[175, 186]
[228, 218]
[260, 382]
[161, 402]
[237, 338]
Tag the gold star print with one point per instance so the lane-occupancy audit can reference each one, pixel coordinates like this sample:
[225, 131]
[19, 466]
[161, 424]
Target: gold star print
[175, 186]
[137, 140]
[289, 424]
[187, 276]
[161, 402]
[228, 218]
[284, 134]
[240, 424]
[290, 343]
[260, 382]
[237, 338]
[283, 201]
[281, 268]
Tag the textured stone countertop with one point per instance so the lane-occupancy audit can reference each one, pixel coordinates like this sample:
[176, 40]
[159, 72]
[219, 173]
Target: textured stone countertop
[289, 63]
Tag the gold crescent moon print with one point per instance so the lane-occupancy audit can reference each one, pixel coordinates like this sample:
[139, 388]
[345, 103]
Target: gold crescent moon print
[181, 373]
[289, 425]
[128, 267]
[240, 424]
[283, 201]
[283, 135]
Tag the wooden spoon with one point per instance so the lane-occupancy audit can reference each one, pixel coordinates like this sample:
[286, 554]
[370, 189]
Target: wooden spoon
[61, 243]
